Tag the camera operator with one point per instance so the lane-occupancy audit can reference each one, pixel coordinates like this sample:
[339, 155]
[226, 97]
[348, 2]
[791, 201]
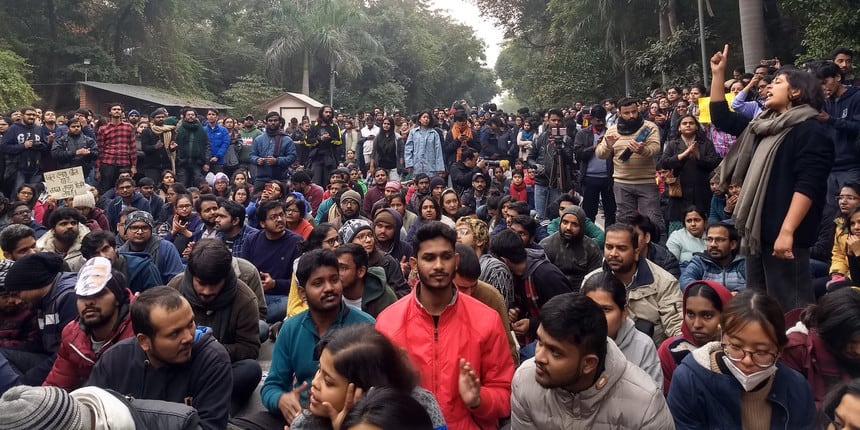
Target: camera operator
[496, 139]
[553, 159]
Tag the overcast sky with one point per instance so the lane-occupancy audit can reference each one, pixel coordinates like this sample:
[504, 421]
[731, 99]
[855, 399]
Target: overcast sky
[467, 13]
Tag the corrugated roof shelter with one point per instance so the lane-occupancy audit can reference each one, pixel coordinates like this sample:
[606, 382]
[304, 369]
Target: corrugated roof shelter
[292, 105]
[98, 95]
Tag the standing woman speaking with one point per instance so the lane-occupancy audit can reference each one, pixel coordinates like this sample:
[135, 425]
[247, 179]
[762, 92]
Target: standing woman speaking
[782, 158]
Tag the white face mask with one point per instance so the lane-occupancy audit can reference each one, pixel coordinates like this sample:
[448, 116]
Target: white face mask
[753, 380]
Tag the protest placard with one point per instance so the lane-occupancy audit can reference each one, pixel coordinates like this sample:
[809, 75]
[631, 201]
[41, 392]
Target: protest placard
[64, 183]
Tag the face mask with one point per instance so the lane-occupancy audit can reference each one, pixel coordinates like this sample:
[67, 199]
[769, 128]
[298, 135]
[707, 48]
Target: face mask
[749, 382]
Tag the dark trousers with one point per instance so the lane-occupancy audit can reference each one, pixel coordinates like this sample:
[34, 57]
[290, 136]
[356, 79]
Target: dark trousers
[246, 377]
[788, 281]
[108, 174]
[23, 362]
[188, 175]
[593, 190]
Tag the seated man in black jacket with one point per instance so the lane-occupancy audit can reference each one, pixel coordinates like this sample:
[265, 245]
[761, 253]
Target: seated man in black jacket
[462, 171]
[170, 358]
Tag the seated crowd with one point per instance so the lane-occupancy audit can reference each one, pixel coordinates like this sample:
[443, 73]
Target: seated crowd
[396, 263]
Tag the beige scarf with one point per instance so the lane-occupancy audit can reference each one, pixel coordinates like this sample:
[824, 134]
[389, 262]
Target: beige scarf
[751, 165]
[166, 131]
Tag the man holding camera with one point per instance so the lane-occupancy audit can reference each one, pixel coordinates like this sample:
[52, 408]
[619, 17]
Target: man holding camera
[552, 157]
[632, 143]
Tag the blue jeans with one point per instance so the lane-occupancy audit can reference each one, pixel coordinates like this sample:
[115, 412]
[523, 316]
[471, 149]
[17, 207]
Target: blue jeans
[28, 178]
[527, 351]
[277, 308]
[544, 196]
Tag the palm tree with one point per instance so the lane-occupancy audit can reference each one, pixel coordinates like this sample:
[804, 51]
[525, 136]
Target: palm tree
[332, 30]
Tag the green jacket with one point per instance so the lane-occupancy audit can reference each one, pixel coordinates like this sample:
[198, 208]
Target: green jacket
[193, 144]
[377, 294]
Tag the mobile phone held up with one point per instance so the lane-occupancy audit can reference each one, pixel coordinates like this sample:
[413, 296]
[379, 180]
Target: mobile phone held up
[558, 131]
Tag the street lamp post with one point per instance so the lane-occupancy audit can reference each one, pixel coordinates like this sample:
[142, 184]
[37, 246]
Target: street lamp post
[86, 67]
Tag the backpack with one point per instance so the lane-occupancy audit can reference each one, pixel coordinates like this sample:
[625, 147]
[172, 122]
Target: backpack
[159, 414]
[143, 273]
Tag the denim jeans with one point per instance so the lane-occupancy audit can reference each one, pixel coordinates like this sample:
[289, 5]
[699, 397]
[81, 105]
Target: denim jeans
[277, 308]
[544, 196]
[28, 178]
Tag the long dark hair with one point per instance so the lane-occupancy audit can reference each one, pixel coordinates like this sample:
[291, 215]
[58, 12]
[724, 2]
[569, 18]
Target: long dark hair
[808, 85]
[836, 318]
[701, 136]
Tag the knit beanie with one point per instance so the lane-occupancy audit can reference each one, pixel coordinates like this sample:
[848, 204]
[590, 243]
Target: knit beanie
[352, 228]
[394, 185]
[351, 194]
[435, 182]
[85, 200]
[385, 216]
[33, 271]
[139, 216]
[5, 265]
[133, 112]
[38, 408]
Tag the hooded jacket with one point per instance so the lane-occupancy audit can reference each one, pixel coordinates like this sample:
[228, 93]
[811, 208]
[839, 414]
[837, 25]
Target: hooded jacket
[205, 381]
[701, 397]
[399, 248]
[545, 279]
[219, 140]
[674, 349]
[46, 244]
[654, 297]
[466, 329]
[116, 205]
[703, 268]
[232, 316]
[624, 397]
[377, 294]
[76, 358]
[844, 128]
[29, 159]
[807, 353]
[639, 349]
[575, 257]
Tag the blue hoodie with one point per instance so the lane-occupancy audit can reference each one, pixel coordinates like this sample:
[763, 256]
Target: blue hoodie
[844, 128]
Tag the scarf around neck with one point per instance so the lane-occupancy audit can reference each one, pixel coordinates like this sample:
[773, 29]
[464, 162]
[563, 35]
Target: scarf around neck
[750, 163]
[222, 304]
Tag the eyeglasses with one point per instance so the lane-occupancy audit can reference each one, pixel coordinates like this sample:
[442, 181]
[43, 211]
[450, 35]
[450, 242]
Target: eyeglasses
[463, 231]
[763, 359]
[849, 198]
[364, 236]
[332, 241]
[291, 211]
[183, 206]
[22, 213]
[139, 228]
[276, 217]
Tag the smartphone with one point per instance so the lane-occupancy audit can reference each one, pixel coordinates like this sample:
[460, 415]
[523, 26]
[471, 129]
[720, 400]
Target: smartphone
[558, 131]
[268, 188]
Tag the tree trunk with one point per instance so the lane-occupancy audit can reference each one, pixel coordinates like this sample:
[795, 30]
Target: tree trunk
[54, 94]
[306, 74]
[752, 32]
[663, 21]
[672, 15]
[628, 79]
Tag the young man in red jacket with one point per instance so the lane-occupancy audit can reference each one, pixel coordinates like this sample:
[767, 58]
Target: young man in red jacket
[457, 343]
[103, 320]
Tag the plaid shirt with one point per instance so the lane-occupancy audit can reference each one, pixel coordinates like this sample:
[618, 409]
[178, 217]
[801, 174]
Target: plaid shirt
[237, 244]
[117, 145]
[722, 141]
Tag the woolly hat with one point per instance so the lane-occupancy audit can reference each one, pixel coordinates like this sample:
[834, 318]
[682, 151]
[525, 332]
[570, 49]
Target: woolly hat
[133, 112]
[139, 216]
[385, 216]
[393, 185]
[222, 177]
[351, 194]
[436, 181]
[352, 228]
[37, 408]
[5, 265]
[33, 271]
[85, 200]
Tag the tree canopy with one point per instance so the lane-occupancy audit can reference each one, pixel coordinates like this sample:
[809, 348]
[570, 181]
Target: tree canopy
[391, 53]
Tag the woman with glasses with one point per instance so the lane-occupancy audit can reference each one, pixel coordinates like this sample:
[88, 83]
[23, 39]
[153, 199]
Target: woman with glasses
[824, 345]
[738, 381]
[184, 222]
[296, 211]
[840, 234]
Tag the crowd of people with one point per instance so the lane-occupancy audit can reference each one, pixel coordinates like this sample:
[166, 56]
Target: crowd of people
[656, 262]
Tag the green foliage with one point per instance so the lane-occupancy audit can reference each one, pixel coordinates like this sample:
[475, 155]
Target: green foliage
[15, 92]
[827, 24]
[246, 95]
[678, 56]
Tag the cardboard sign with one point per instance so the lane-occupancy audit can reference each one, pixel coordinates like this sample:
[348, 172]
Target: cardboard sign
[64, 183]
[705, 107]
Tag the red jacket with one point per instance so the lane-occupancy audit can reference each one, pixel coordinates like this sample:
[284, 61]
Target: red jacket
[75, 357]
[807, 354]
[467, 329]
